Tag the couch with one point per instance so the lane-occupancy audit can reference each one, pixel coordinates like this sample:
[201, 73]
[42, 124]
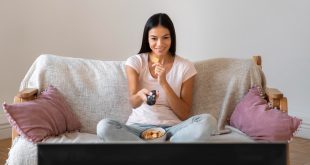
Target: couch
[97, 89]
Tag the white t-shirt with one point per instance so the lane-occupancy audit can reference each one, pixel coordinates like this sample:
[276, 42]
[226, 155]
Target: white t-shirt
[160, 113]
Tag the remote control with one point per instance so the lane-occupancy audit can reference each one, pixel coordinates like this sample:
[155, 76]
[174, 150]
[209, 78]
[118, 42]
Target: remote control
[151, 99]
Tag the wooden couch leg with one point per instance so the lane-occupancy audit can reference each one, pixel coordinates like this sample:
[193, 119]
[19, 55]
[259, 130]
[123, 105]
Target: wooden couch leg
[283, 104]
[14, 134]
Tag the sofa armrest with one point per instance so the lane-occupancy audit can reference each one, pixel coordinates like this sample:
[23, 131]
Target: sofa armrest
[26, 94]
[276, 99]
[257, 60]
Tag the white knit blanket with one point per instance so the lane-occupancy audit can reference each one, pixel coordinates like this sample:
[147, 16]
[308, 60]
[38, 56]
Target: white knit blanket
[94, 89]
[221, 83]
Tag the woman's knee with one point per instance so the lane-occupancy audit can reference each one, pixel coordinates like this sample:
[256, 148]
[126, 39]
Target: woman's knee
[107, 124]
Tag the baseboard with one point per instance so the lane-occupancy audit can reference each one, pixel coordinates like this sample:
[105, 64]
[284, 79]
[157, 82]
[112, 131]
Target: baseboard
[304, 130]
[5, 127]
[5, 131]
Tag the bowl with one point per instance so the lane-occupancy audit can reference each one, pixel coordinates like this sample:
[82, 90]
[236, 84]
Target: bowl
[156, 134]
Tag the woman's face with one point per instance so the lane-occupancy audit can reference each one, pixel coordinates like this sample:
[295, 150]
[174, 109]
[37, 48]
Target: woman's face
[159, 40]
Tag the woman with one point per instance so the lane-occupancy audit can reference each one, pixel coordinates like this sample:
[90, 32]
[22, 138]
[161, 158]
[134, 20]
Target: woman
[157, 67]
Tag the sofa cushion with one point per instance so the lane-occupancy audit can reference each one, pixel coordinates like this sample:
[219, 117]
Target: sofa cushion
[26, 153]
[47, 115]
[254, 117]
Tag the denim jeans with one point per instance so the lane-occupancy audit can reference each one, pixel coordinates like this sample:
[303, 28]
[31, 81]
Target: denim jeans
[195, 129]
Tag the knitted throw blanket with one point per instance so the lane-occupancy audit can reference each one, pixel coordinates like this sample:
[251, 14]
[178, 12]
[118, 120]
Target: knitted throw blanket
[221, 83]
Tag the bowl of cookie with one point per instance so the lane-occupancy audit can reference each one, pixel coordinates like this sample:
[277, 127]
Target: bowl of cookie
[154, 135]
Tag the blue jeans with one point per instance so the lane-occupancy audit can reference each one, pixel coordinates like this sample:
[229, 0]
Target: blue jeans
[195, 129]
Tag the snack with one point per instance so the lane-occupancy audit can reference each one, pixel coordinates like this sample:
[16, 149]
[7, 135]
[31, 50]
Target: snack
[154, 59]
[153, 133]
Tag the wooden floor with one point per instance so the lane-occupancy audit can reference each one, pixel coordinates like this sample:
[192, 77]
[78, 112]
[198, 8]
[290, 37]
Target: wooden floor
[299, 151]
[4, 148]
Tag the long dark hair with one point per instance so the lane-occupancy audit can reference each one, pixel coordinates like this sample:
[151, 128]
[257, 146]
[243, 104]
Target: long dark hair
[155, 20]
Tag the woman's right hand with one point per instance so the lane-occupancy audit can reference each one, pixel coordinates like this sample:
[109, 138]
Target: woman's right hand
[142, 94]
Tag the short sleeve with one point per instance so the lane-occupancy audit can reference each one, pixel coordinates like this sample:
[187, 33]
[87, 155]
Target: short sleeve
[189, 70]
[135, 62]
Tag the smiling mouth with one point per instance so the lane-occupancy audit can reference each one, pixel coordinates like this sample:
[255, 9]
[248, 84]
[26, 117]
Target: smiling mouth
[160, 50]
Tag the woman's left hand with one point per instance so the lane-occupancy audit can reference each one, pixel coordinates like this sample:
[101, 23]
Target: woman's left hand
[160, 71]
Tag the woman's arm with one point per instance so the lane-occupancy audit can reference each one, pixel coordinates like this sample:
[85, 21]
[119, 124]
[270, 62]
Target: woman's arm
[136, 96]
[180, 106]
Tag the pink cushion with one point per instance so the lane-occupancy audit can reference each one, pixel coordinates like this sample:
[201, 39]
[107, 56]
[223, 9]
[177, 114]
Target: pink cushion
[47, 115]
[250, 116]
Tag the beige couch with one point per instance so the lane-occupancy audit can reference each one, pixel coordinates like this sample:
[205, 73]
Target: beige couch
[98, 89]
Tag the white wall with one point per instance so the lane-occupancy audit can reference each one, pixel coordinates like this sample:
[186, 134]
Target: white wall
[112, 30]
